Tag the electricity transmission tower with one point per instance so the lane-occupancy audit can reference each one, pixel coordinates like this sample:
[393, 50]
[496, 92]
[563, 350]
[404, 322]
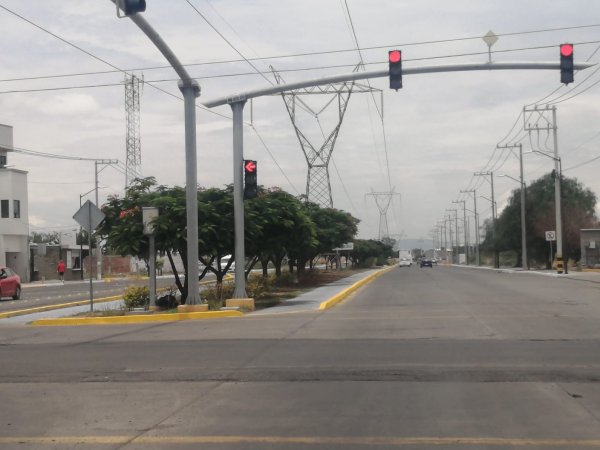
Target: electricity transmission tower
[318, 184]
[383, 201]
[133, 148]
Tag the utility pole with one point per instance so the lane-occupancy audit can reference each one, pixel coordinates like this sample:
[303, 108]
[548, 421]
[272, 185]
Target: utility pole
[464, 228]
[541, 113]
[474, 192]
[493, 200]
[449, 228]
[524, 263]
[105, 163]
[456, 234]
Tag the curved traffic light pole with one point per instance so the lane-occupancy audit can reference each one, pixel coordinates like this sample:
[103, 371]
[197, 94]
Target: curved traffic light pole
[277, 89]
[190, 90]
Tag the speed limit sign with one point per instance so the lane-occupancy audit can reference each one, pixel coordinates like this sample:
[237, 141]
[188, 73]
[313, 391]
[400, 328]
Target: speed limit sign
[550, 235]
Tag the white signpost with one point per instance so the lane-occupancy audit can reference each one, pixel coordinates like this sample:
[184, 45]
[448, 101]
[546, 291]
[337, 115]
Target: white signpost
[551, 236]
[149, 213]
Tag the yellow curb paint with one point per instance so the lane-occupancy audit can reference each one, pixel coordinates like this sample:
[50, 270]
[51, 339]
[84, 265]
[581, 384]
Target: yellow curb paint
[120, 320]
[23, 312]
[349, 290]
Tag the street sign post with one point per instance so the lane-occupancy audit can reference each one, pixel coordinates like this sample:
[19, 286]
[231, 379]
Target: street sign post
[149, 213]
[551, 236]
[89, 217]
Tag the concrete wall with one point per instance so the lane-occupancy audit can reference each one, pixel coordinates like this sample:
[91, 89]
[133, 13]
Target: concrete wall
[590, 247]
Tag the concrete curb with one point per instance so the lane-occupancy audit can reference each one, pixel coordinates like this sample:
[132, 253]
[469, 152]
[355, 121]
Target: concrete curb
[38, 309]
[337, 298]
[120, 320]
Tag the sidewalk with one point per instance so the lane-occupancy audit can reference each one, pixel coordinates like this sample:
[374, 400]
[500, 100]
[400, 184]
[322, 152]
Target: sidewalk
[590, 276]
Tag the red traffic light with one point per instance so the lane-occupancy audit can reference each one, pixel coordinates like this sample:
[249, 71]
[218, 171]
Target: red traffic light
[250, 166]
[566, 49]
[395, 56]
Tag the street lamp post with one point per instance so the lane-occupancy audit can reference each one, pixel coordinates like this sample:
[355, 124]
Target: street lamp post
[464, 228]
[524, 263]
[476, 216]
[496, 253]
[190, 90]
[455, 234]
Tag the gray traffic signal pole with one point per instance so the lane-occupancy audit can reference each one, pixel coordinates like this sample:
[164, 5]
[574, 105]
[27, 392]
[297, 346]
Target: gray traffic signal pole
[238, 199]
[190, 90]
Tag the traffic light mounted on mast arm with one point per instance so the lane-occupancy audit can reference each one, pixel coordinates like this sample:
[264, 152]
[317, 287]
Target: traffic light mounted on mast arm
[395, 68]
[130, 7]
[566, 63]
[250, 179]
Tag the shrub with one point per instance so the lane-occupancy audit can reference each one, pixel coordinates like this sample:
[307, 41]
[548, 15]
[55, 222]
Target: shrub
[257, 286]
[136, 296]
[287, 279]
[215, 295]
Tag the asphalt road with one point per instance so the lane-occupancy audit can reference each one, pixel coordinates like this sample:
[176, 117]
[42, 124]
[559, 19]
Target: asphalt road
[53, 293]
[420, 358]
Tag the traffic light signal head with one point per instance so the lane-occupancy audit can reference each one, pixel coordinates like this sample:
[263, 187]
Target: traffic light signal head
[250, 179]
[566, 63]
[395, 67]
[130, 7]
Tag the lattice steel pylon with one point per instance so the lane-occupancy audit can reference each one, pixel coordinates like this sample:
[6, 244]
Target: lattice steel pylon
[318, 184]
[383, 201]
[133, 147]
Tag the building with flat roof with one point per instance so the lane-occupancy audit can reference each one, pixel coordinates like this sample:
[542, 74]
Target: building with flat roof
[14, 216]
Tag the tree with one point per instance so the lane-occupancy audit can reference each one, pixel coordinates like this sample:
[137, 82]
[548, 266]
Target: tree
[123, 229]
[44, 238]
[333, 228]
[366, 251]
[282, 225]
[578, 204]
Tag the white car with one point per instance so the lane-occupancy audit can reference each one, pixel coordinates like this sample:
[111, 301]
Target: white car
[405, 262]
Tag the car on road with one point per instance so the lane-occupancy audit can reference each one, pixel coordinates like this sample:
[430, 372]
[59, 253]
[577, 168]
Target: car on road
[405, 262]
[426, 263]
[10, 283]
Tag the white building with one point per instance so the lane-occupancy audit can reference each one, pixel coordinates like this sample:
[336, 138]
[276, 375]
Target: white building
[14, 219]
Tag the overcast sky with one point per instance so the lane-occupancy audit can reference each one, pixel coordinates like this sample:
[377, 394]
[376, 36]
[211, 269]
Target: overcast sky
[439, 129]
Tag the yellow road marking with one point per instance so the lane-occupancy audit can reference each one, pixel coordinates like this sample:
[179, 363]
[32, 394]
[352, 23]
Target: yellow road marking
[307, 440]
[22, 312]
[330, 303]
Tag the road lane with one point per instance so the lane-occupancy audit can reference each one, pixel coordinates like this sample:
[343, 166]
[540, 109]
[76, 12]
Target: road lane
[419, 358]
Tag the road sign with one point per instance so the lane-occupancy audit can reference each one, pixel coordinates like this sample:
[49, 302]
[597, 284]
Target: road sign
[550, 235]
[149, 213]
[89, 216]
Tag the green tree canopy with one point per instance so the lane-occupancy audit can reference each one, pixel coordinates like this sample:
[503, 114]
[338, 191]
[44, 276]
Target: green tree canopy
[578, 204]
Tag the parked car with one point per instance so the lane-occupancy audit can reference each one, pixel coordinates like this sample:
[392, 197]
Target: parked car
[405, 262]
[10, 283]
[426, 263]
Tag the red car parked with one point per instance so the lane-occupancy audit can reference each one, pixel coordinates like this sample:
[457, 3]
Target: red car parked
[10, 283]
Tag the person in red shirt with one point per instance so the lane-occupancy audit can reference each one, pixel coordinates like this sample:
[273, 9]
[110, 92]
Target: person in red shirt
[60, 268]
